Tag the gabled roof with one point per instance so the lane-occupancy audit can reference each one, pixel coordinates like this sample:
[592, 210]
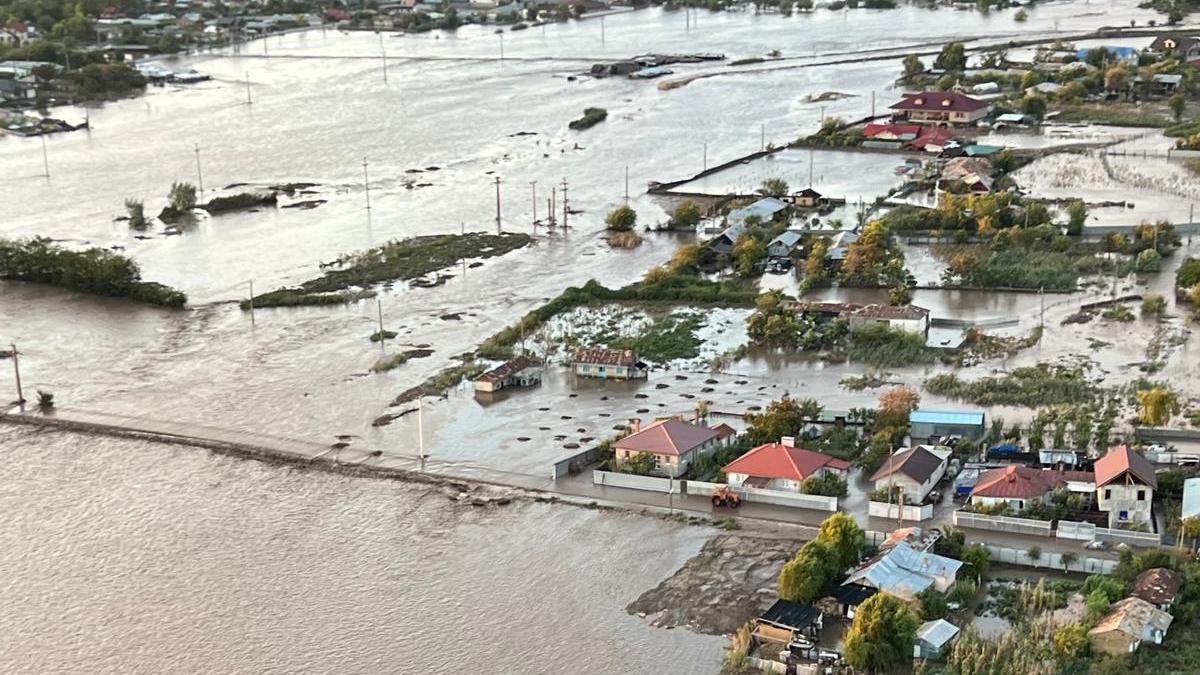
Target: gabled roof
[724, 430]
[808, 192]
[776, 460]
[668, 437]
[937, 633]
[1121, 461]
[1134, 617]
[512, 367]
[1158, 585]
[917, 463]
[1181, 43]
[765, 209]
[938, 100]
[853, 594]
[891, 312]
[788, 238]
[1015, 482]
[903, 571]
[790, 615]
[605, 357]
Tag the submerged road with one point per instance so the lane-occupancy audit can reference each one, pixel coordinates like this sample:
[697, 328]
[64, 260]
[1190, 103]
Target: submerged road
[341, 457]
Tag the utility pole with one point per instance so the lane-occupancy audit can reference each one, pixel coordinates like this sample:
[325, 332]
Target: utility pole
[810, 168]
[872, 103]
[17, 372]
[249, 100]
[533, 197]
[706, 156]
[367, 185]
[626, 183]
[501, 46]
[421, 432]
[553, 206]
[252, 302]
[199, 175]
[565, 207]
[45, 157]
[383, 52]
[602, 30]
[498, 226]
[379, 309]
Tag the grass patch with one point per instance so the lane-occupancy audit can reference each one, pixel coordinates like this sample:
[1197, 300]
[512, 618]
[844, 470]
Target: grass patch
[242, 200]
[668, 338]
[1030, 268]
[393, 361]
[591, 117]
[396, 260]
[381, 335]
[1030, 387]
[883, 347]
[1115, 114]
[1183, 130]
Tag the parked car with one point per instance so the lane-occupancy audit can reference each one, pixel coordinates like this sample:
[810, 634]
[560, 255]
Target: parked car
[1096, 545]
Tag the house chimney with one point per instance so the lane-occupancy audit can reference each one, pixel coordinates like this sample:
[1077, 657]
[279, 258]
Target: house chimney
[1011, 473]
[788, 441]
[635, 425]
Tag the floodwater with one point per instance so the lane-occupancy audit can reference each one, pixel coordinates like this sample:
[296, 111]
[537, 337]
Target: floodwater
[131, 557]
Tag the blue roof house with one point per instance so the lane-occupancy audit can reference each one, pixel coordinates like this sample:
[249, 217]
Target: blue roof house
[927, 424]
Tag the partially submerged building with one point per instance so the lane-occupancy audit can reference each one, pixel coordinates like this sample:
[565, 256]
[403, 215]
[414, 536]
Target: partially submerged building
[673, 443]
[925, 424]
[940, 108]
[934, 639]
[782, 466]
[907, 318]
[522, 371]
[608, 364]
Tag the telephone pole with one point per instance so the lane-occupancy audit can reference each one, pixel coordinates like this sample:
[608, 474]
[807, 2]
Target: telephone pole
[45, 156]
[553, 206]
[251, 302]
[199, 175]
[249, 100]
[533, 195]
[17, 372]
[498, 226]
[706, 155]
[565, 207]
[367, 185]
[379, 309]
[626, 183]
[383, 53]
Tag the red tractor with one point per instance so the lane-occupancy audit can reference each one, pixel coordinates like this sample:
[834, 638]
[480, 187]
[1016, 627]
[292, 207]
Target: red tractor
[725, 496]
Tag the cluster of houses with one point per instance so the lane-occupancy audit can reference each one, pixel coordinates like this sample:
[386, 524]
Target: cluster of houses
[388, 15]
[1143, 617]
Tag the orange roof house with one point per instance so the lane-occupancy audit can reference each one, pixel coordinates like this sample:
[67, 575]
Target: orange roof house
[673, 443]
[781, 466]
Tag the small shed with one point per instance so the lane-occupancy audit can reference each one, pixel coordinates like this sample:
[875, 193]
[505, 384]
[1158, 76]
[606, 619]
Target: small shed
[787, 622]
[850, 596]
[927, 424]
[809, 198]
[934, 638]
[783, 245]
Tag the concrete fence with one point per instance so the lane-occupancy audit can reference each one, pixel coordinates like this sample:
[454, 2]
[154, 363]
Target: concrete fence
[1070, 529]
[1037, 528]
[575, 463]
[760, 496]
[632, 482]
[1048, 560]
[893, 511]
[1127, 537]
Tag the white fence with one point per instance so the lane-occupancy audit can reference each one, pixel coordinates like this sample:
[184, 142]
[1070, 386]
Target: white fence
[775, 497]
[1070, 529]
[1039, 528]
[1048, 560]
[628, 480]
[1127, 537]
[893, 511]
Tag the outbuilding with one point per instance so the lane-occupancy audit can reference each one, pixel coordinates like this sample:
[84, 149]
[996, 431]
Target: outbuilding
[934, 638]
[927, 424]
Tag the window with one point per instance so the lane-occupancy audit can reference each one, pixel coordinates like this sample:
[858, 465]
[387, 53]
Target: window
[1108, 494]
[1141, 495]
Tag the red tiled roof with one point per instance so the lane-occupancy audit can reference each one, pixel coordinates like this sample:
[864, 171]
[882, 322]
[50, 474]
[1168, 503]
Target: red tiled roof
[605, 357]
[776, 460]
[1015, 482]
[938, 100]
[1158, 585]
[510, 368]
[894, 130]
[1120, 461]
[938, 137]
[667, 437]
[724, 430]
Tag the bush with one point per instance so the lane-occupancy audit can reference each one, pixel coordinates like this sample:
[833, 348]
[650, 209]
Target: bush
[591, 117]
[621, 219]
[687, 215]
[1188, 274]
[883, 347]
[1154, 305]
[243, 200]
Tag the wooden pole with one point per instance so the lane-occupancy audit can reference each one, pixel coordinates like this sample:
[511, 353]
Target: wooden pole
[199, 174]
[249, 100]
[383, 53]
[17, 372]
[533, 196]
[498, 226]
[367, 184]
[45, 157]
[251, 302]
[379, 309]
[421, 431]
[565, 208]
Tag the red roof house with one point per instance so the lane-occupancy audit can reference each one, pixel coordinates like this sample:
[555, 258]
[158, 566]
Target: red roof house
[1019, 485]
[673, 443]
[892, 132]
[939, 107]
[1125, 484]
[781, 466]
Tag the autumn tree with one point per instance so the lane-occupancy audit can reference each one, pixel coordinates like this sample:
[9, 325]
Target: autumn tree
[895, 405]
[1116, 78]
[867, 256]
[1158, 405]
[747, 251]
[881, 636]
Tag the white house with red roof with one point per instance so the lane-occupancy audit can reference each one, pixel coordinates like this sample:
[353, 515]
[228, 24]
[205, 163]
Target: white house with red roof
[782, 466]
[673, 443]
[1018, 486]
[1125, 484]
[939, 107]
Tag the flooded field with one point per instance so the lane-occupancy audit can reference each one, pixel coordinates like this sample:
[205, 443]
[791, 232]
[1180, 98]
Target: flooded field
[129, 557]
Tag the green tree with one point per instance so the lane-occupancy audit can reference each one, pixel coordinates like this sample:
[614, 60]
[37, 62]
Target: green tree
[933, 604]
[641, 464]
[976, 560]
[805, 577]
[137, 214]
[913, 68]
[1021, 16]
[1076, 216]
[952, 57]
[687, 214]
[844, 538]
[621, 219]
[747, 252]
[182, 197]
[1035, 554]
[1176, 103]
[781, 418]
[1158, 405]
[773, 187]
[1034, 105]
[881, 636]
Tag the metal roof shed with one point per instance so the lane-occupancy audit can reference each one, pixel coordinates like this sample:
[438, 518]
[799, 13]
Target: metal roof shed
[933, 637]
[927, 424]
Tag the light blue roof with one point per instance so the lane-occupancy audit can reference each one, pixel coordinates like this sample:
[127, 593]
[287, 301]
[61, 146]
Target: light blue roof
[903, 571]
[765, 209]
[937, 633]
[965, 417]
